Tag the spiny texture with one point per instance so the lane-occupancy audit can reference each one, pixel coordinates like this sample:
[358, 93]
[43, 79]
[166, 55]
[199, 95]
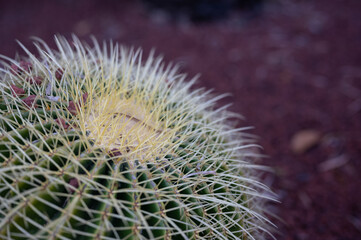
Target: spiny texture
[97, 144]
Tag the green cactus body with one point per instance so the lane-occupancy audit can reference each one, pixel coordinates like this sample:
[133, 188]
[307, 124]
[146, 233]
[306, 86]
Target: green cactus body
[96, 144]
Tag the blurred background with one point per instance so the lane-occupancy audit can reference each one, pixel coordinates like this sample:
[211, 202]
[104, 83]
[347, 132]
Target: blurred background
[293, 68]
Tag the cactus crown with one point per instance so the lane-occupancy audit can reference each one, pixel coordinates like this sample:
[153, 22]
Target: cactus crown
[97, 144]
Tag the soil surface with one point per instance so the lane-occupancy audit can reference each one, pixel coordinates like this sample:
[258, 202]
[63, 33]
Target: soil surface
[293, 70]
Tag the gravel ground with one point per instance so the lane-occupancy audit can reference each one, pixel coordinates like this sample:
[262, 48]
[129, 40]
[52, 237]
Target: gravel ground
[293, 71]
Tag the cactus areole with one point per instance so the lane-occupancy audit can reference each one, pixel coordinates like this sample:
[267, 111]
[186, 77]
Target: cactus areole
[97, 143]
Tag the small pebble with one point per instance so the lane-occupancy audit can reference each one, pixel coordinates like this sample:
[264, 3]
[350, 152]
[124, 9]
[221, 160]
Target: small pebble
[26, 66]
[115, 152]
[72, 108]
[59, 74]
[16, 91]
[35, 80]
[29, 101]
[304, 140]
[74, 183]
[61, 122]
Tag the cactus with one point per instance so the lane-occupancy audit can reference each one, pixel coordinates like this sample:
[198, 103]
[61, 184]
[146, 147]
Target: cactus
[96, 143]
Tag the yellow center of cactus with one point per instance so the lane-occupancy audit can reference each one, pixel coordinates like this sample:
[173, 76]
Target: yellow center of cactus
[129, 125]
[121, 124]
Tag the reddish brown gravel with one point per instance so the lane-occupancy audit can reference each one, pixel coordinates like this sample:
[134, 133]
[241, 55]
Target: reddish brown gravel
[295, 67]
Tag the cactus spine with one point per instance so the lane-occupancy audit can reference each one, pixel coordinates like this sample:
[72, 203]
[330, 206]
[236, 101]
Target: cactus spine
[97, 144]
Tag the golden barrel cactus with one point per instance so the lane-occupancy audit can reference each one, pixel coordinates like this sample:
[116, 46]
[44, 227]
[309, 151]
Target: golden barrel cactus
[96, 143]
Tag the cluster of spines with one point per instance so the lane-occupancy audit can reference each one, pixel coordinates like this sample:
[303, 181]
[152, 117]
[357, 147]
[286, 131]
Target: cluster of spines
[55, 183]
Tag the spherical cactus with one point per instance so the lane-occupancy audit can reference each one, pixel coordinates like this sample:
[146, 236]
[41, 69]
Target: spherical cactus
[97, 144]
